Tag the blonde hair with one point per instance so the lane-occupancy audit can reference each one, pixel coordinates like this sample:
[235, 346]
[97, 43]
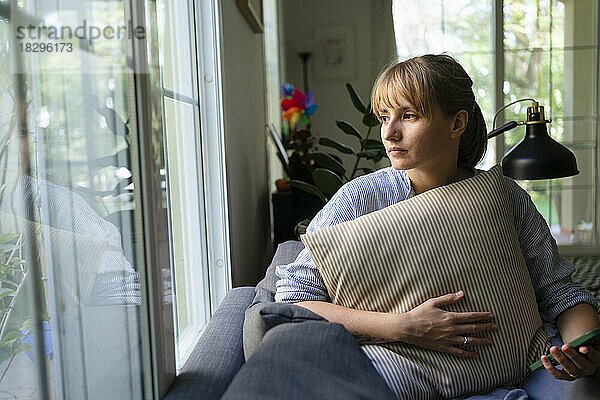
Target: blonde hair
[431, 80]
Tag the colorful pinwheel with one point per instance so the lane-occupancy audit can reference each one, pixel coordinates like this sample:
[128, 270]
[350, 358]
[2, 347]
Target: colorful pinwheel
[296, 105]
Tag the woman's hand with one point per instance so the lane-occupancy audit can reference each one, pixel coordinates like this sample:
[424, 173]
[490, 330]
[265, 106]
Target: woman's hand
[575, 364]
[430, 327]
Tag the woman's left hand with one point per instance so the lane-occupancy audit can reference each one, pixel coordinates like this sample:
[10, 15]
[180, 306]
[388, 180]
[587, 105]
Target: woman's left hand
[575, 364]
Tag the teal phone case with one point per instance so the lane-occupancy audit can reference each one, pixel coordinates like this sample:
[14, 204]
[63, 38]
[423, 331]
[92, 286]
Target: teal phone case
[591, 337]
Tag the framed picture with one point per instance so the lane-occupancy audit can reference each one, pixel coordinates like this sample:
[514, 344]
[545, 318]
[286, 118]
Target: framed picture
[335, 55]
[253, 12]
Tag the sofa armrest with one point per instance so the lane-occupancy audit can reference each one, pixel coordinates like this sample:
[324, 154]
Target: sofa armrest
[219, 354]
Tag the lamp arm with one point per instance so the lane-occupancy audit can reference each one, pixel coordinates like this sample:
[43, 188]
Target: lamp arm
[503, 108]
[506, 127]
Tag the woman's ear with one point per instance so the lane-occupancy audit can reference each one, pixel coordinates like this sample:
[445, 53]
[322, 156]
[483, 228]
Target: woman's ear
[461, 119]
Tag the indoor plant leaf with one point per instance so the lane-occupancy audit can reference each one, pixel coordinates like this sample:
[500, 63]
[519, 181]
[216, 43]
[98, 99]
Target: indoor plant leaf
[336, 145]
[326, 180]
[372, 144]
[370, 119]
[307, 187]
[326, 161]
[358, 104]
[348, 129]
[368, 153]
[367, 170]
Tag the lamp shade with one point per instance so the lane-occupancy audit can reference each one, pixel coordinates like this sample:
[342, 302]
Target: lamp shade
[538, 156]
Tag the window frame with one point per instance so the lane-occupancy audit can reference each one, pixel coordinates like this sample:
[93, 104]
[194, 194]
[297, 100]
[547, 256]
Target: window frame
[159, 341]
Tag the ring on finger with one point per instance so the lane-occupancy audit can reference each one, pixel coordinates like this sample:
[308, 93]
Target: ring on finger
[465, 341]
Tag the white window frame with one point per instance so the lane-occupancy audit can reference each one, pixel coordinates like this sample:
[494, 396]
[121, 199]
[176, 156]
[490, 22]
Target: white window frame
[210, 89]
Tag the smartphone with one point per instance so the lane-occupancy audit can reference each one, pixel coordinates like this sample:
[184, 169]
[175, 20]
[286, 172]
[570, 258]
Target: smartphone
[589, 338]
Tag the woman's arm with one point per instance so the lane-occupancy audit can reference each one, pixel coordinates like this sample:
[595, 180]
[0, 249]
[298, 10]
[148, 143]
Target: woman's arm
[576, 321]
[576, 363]
[426, 326]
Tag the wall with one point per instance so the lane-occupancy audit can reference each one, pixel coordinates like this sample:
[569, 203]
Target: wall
[371, 24]
[245, 146]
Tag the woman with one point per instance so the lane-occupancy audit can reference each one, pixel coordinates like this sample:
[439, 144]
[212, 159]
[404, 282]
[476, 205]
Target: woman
[435, 134]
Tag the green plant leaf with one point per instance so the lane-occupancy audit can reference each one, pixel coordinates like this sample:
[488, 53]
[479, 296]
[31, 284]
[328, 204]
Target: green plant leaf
[342, 148]
[335, 156]
[370, 119]
[8, 282]
[368, 153]
[6, 292]
[326, 161]
[10, 338]
[327, 181]
[8, 238]
[348, 129]
[372, 144]
[358, 104]
[24, 346]
[308, 188]
[6, 247]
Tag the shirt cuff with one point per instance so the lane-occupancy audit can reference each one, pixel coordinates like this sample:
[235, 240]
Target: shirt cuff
[562, 297]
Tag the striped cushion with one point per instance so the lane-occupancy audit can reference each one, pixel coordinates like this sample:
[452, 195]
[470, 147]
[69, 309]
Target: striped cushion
[456, 237]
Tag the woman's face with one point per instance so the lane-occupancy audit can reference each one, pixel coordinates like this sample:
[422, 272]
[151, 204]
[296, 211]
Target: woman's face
[414, 141]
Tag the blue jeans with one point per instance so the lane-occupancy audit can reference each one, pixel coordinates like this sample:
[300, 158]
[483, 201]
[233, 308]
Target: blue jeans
[542, 386]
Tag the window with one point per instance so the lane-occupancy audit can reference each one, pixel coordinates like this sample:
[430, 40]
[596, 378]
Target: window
[112, 194]
[70, 254]
[185, 173]
[546, 50]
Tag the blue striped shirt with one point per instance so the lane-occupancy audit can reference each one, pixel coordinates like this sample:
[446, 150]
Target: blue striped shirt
[550, 272]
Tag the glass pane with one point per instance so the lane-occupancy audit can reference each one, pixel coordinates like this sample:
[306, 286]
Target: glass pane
[568, 212]
[586, 161]
[418, 27]
[527, 24]
[526, 75]
[479, 67]
[467, 26]
[558, 24]
[442, 26]
[580, 23]
[176, 46]
[67, 213]
[573, 130]
[573, 216]
[574, 74]
[188, 235]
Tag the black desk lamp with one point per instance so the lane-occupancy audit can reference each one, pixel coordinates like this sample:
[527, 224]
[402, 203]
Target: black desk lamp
[537, 155]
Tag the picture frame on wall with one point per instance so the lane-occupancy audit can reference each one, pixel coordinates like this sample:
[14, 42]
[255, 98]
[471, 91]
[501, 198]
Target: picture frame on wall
[335, 55]
[252, 10]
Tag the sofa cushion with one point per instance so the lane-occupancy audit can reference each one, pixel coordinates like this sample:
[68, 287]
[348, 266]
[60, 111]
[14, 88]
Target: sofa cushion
[310, 360]
[263, 316]
[255, 326]
[456, 237]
